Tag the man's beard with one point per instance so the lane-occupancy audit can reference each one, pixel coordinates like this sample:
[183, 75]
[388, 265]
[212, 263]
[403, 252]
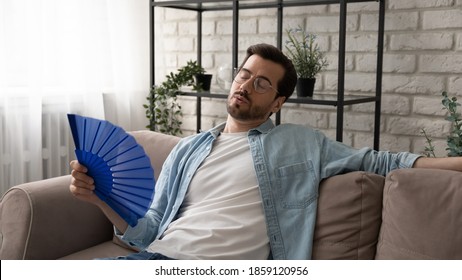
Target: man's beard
[251, 113]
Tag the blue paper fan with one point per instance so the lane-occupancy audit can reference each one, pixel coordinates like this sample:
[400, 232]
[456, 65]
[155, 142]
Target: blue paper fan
[124, 177]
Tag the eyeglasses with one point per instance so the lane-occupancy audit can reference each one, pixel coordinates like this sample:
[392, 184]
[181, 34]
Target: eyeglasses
[260, 84]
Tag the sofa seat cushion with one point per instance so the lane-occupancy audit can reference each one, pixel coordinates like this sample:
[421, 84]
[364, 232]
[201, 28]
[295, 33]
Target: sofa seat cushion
[422, 215]
[104, 250]
[349, 216]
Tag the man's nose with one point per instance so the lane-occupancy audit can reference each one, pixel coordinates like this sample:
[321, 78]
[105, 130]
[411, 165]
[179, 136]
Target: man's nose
[248, 85]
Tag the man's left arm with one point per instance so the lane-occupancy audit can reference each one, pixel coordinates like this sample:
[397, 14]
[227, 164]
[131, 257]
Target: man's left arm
[449, 163]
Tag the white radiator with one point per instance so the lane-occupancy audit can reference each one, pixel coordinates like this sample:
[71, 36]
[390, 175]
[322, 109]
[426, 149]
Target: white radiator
[57, 142]
[34, 154]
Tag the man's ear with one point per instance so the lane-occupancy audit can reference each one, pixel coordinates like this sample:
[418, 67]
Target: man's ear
[278, 104]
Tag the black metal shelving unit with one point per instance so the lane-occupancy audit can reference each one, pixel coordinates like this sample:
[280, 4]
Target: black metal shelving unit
[339, 100]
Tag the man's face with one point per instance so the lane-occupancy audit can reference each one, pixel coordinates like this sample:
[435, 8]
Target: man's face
[244, 102]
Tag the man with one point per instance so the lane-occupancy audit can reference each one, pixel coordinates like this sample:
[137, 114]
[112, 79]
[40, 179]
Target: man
[246, 189]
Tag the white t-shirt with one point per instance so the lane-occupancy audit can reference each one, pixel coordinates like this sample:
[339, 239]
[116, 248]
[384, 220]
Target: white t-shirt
[222, 214]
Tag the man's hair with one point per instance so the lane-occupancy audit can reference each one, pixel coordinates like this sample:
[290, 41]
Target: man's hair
[286, 85]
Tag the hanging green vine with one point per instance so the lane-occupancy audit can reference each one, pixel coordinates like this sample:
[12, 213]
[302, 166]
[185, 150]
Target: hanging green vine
[163, 111]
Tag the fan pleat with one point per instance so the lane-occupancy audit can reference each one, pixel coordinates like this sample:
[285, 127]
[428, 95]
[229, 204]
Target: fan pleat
[107, 130]
[133, 198]
[136, 183]
[110, 144]
[131, 174]
[139, 192]
[91, 129]
[137, 163]
[136, 209]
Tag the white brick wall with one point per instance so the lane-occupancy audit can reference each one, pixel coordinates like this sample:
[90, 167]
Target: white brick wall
[422, 58]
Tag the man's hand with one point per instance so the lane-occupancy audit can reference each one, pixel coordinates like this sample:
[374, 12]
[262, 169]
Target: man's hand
[82, 186]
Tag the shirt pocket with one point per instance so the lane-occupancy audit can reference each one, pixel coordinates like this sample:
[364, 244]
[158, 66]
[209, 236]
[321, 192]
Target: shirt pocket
[297, 185]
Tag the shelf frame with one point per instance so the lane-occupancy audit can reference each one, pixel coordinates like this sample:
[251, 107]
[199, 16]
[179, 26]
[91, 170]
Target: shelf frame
[200, 6]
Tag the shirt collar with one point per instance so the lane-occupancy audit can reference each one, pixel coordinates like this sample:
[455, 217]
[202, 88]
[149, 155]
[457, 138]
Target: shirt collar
[263, 128]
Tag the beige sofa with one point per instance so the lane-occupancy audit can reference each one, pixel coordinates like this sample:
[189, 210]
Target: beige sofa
[410, 214]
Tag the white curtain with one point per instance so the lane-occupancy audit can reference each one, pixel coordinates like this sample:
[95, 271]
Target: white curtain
[89, 57]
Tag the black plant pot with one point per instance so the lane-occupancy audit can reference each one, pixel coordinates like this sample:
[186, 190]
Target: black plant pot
[305, 87]
[204, 80]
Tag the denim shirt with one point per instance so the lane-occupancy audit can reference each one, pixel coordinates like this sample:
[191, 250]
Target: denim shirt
[289, 161]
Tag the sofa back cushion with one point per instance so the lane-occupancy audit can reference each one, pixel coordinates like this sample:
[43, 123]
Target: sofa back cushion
[422, 215]
[349, 216]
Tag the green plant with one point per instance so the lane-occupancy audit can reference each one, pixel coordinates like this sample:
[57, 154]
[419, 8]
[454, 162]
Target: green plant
[302, 49]
[430, 149]
[163, 111]
[454, 139]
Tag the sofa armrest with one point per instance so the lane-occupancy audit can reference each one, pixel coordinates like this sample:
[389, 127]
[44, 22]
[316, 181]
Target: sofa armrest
[42, 220]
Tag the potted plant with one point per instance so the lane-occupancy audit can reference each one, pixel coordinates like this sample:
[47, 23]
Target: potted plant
[203, 80]
[163, 111]
[307, 57]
